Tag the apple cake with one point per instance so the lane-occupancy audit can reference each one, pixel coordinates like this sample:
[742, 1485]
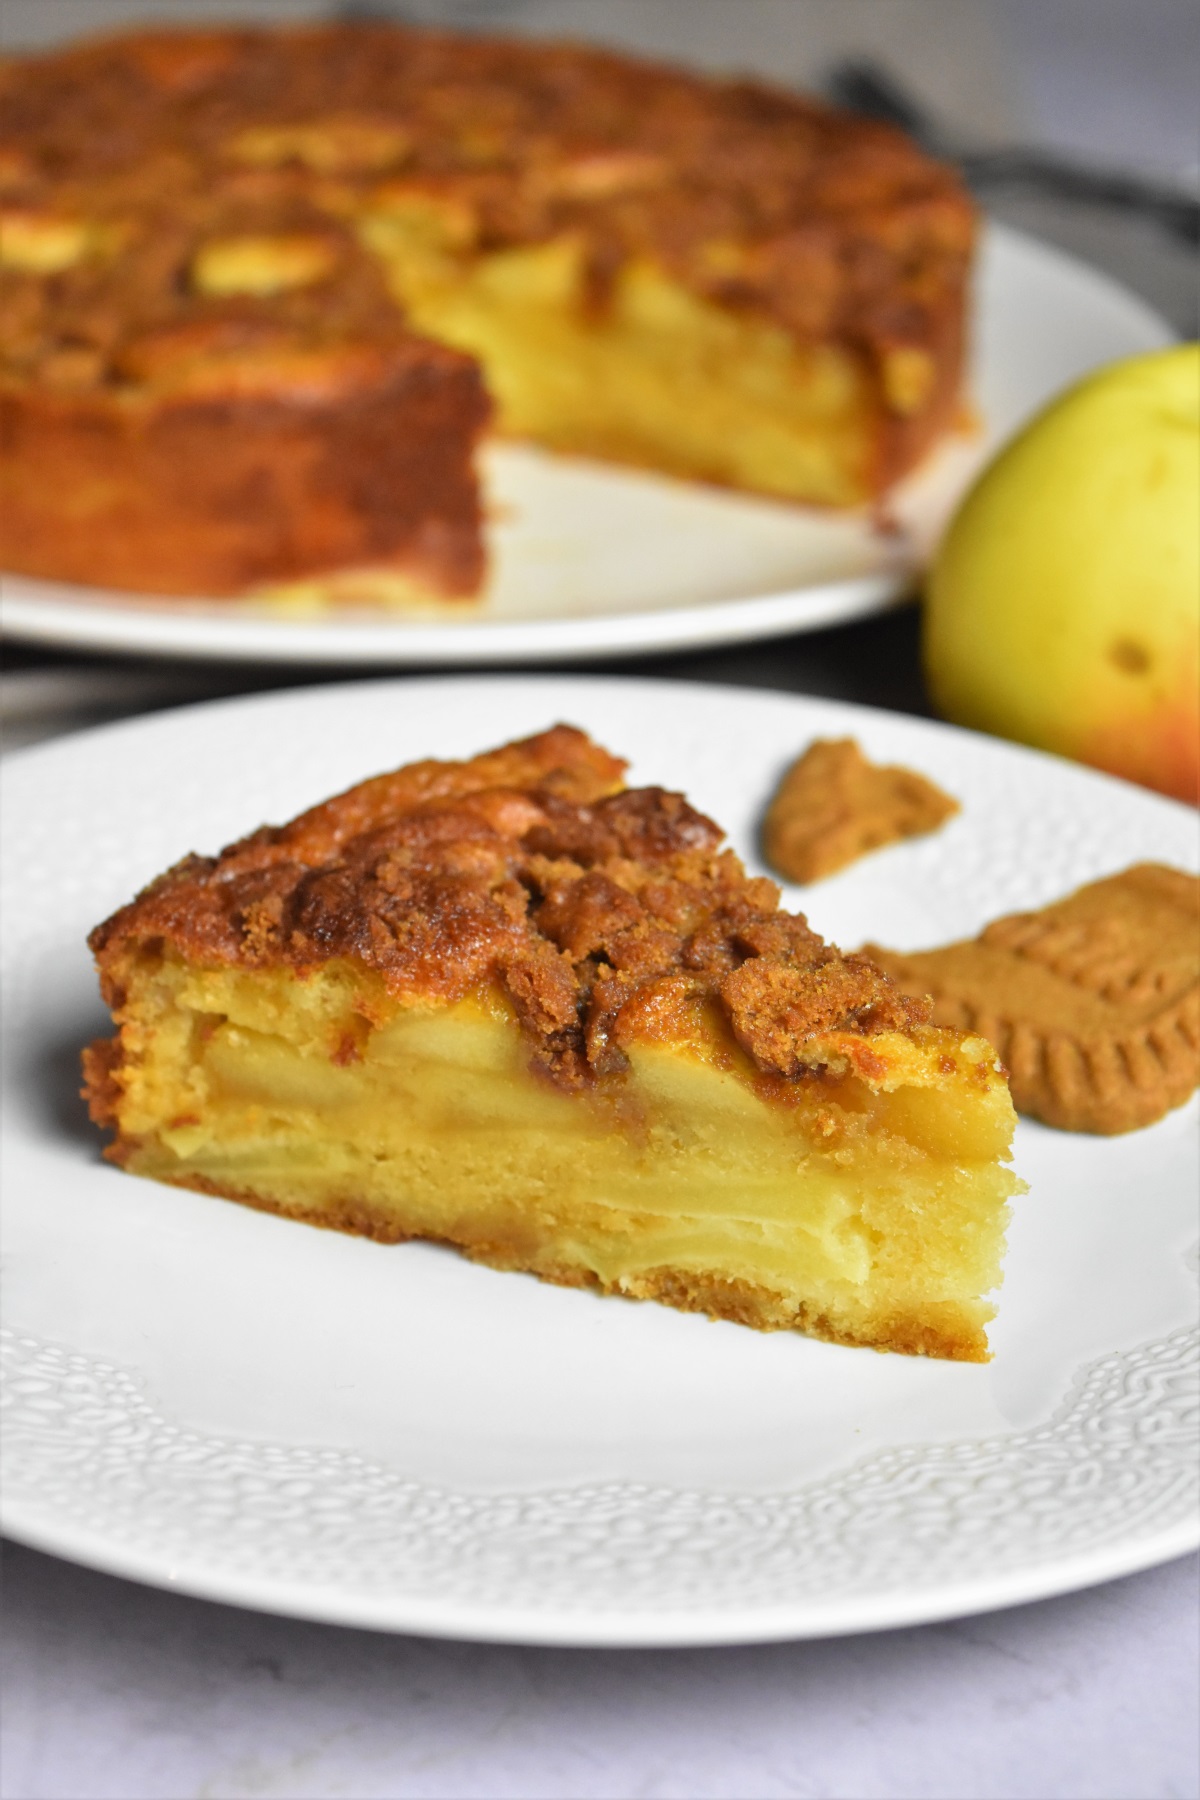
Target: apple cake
[511, 1005]
[262, 290]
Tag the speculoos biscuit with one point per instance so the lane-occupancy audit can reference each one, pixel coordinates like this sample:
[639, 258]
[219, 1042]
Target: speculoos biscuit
[1093, 1003]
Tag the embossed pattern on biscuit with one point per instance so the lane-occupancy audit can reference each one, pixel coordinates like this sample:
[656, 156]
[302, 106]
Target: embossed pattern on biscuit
[1093, 1003]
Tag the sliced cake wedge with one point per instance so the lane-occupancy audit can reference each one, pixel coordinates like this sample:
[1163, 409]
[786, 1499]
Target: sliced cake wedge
[515, 1006]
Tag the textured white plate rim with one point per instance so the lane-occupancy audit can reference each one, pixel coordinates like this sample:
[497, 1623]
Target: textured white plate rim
[57, 614]
[815, 1616]
[566, 682]
[653, 1629]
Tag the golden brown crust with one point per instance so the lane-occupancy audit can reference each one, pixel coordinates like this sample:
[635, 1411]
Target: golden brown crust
[138, 153]
[600, 911]
[101, 1060]
[1092, 1003]
[190, 492]
[833, 806]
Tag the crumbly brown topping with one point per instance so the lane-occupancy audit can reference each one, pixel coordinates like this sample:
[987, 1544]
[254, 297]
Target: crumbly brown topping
[601, 910]
[156, 143]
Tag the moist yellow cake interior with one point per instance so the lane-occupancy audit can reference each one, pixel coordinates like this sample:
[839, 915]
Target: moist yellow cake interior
[658, 376]
[663, 378]
[873, 1190]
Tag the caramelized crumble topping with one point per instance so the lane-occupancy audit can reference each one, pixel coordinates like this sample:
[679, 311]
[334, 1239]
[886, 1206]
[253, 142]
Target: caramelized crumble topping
[595, 907]
[124, 160]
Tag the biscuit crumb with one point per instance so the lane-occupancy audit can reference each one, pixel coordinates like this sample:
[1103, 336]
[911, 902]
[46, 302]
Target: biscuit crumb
[834, 806]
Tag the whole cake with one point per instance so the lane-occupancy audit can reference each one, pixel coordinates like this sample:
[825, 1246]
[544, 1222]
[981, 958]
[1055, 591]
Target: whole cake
[514, 1006]
[262, 290]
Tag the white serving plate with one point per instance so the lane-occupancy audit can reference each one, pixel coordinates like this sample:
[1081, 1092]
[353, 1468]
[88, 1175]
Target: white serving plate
[597, 561]
[207, 1398]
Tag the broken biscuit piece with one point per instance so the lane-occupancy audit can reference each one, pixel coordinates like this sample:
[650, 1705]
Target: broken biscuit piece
[833, 806]
[1093, 1003]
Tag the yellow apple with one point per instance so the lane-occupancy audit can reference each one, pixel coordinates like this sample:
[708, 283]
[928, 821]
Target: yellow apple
[1063, 607]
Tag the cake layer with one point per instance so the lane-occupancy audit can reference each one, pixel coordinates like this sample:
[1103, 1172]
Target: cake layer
[867, 1210]
[665, 378]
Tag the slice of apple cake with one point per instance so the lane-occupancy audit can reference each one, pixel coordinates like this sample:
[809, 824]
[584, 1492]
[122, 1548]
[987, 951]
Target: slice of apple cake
[514, 1006]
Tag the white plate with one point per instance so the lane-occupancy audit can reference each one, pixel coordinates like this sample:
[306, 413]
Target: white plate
[596, 561]
[209, 1398]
